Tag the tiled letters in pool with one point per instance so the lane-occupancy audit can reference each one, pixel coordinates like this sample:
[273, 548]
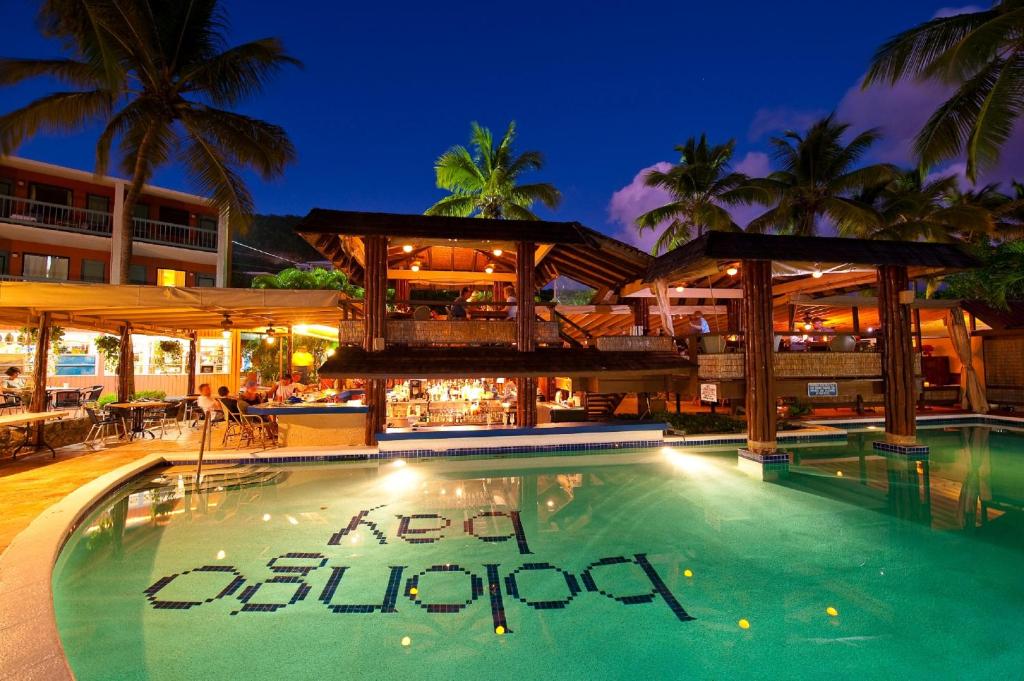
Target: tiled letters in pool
[296, 574]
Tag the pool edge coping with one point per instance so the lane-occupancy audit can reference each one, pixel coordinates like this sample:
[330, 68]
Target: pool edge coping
[26, 569]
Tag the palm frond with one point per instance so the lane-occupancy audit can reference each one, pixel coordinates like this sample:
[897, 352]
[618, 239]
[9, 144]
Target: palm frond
[454, 205]
[67, 71]
[209, 170]
[58, 112]
[244, 140]
[240, 72]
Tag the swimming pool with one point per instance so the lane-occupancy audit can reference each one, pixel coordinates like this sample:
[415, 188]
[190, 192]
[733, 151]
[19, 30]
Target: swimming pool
[666, 564]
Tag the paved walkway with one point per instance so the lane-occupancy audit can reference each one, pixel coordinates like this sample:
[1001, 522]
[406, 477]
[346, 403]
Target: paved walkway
[33, 483]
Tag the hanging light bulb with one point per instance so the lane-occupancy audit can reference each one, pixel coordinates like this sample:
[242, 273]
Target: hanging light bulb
[816, 273]
[680, 289]
[407, 248]
[226, 325]
[497, 252]
[271, 340]
[807, 325]
[731, 271]
[415, 267]
[489, 269]
[271, 335]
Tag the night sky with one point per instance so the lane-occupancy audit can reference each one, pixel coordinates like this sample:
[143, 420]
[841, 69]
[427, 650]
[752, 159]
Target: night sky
[604, 89]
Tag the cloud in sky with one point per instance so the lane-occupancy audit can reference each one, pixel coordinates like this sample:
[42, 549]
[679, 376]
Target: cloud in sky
[778, 119]
[634, 200]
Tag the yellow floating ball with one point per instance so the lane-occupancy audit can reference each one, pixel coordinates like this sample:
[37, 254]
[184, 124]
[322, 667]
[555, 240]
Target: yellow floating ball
[831, 612]
[687, 572]
[414, 591]
[406, 641]
[744, 624]
[499, 630]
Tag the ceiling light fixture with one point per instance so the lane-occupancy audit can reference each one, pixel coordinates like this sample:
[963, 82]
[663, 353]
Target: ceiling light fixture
[816, 273]
[731, 271]
[226, 325]
[680, 289]
[415, 267]
[489, 269]
[407, 248]
[497, 252]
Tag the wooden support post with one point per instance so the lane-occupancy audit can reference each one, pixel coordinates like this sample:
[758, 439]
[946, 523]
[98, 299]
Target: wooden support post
[759, 367]
[855, 311]
[526, 395]
[190, 364]
[126, 366]
[642, 315]
[375, 323]
[918, 335]
[42, 358]
[734, 315]
[897, 356]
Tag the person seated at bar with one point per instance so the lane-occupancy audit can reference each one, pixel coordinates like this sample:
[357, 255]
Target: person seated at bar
[798, 343]
[251, 395]
[699, 325]
[459, 309]
[510, 297]
[299, 385]
[819, 343]
[285, 389]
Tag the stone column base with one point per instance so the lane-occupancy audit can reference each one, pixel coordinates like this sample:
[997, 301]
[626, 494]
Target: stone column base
[909, 451]
[767, 466]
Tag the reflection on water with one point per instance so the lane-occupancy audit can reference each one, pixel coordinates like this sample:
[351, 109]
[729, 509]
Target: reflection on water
[973, 476]
[591, 568]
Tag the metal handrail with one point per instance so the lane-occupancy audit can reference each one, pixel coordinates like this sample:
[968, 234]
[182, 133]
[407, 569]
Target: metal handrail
[55, 216]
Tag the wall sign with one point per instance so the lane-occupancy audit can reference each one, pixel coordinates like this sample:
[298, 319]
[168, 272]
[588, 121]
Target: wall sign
[822, 389]
[709, 392]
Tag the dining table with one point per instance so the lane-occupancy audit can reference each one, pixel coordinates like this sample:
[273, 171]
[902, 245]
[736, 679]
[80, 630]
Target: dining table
[138, 412]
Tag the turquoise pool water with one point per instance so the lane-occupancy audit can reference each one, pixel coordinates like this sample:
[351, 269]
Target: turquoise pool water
[313, 572]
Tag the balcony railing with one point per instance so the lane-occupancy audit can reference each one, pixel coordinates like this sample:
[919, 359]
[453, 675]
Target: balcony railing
[55, 216]
[170, 234]
[100, 223]
[808, 365]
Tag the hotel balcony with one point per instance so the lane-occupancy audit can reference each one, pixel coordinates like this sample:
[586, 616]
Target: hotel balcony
[100, 223]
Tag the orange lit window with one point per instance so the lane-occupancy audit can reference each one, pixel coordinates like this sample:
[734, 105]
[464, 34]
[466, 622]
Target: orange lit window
[170, 277]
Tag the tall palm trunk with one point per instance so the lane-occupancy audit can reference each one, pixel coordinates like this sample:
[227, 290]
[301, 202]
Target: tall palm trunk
[140, 175]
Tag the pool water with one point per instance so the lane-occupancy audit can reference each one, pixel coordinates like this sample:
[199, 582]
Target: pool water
[661, 564]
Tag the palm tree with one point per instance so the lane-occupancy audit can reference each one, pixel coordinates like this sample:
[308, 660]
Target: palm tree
[980, 53]
[912, 208]
[158, 76]
[1007, 211]
[701, 185]
[314, 279]
[818, 176]
[484, 183]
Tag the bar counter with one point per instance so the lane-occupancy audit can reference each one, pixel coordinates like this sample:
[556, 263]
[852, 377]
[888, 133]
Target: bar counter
[316, 424]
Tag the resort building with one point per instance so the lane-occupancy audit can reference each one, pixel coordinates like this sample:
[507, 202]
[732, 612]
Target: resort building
[57, 224]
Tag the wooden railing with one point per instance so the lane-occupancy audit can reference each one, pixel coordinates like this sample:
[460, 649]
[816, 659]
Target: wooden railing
[634, 344]
[444, 332]
[729, 366]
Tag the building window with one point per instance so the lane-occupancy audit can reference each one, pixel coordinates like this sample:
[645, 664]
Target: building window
[5, 258]
[170, 277]
[205, 279]
[175, 216]
[208, 223]
[48, 193]
[140, 211]
[94, 271]
[44, 267]
[137, 274]
[98, 203]
[6, 188]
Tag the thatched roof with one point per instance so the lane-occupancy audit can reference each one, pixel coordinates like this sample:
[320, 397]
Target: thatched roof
[708, 253]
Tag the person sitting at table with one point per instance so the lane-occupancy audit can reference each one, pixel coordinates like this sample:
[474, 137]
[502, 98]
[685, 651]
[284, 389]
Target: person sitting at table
[459, 309]
[798, 343]
[206, 403]
[13, 382]
[230, 403]
[510, 296]
[285, 389]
